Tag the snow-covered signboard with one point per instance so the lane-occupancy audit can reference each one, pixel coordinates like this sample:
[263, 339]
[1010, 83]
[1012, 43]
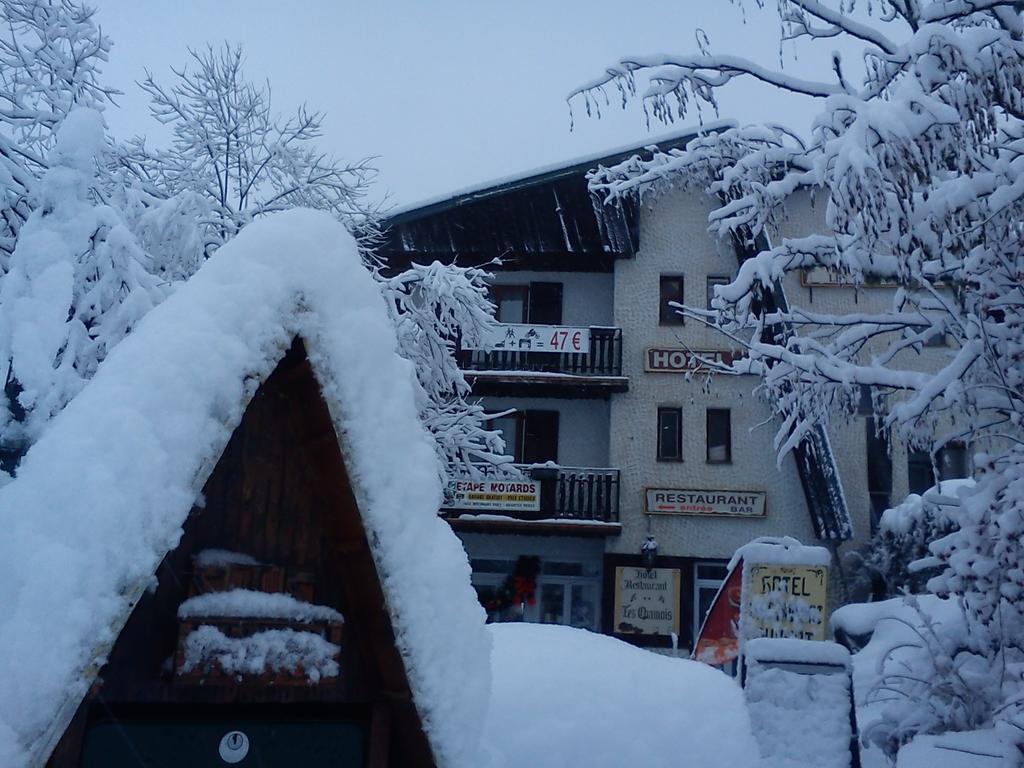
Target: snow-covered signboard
[646, 601]
[504, 495]
[786, 601]
[510, 337]
[681, 501]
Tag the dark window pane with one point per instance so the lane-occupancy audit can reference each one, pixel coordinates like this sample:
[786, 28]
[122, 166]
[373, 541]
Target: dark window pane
[670, 438]
[953, 461]
[552, 604]
[545, 304]
[540, 441]
[719, 436]
[671, 290]
[920, 475]
[715, 571]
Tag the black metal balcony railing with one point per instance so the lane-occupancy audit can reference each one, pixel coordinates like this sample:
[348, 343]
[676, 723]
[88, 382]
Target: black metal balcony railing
[604, 358]
[570, 493]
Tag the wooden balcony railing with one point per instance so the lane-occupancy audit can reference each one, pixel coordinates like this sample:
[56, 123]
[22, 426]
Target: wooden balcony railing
[604, 358]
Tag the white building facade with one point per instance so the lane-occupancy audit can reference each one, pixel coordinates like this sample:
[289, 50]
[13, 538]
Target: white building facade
[635, 446]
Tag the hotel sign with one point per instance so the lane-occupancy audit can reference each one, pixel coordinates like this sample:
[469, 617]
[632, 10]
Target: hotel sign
[646, 601]
[662, 360]
[786, 601]
[512, 337]
[495, 495]
[680, 501]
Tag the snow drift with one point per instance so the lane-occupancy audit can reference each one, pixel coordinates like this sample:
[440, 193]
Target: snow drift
[567, 697]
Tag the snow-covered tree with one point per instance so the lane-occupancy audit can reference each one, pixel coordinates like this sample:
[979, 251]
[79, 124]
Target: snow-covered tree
[76, 284]
[432, 307]
[233, 160]
[241, 157]
[50, 54]
[917, 160]
[73, 280]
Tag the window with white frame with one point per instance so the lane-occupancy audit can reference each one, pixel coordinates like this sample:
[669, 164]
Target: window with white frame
[565, 591]
[708, 576]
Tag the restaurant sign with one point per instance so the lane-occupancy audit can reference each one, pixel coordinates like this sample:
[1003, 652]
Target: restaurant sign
[661, 360]
[786, 601]
[646, 601]
[512, 337]
[503, 495]
[680, 501]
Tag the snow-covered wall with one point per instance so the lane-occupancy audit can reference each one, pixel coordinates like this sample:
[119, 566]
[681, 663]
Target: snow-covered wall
[101, 498]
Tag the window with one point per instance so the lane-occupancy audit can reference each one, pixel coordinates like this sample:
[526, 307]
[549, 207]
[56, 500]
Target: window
[539, 303]
[707, 580]
[951, 461]
[510, 303]
[671, 291]
[531, 437]
[566, 592]
[879, 462]
[712, 282]
[670, 434]
[719, 436]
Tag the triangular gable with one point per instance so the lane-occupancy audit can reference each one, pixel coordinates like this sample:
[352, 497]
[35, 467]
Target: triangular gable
[102, 497]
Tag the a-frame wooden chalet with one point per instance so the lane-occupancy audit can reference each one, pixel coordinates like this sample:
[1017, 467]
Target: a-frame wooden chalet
[227, 551]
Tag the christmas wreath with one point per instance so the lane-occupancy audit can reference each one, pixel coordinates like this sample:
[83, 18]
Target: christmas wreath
[519, 587]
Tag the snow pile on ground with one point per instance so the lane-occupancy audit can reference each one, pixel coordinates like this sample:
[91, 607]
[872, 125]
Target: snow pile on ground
[102, 496]
[249, 603]
[274, 650]
[800, 719]
[564, 698]
[903, 685]
[970, 749]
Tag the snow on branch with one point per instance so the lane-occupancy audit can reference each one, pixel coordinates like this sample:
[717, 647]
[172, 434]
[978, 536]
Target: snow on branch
[918, 174]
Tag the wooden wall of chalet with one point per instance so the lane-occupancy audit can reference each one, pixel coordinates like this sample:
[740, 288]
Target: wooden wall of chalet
[280, 493]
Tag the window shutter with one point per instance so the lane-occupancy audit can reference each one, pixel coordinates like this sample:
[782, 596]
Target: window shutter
[541, 439]
[545, 304]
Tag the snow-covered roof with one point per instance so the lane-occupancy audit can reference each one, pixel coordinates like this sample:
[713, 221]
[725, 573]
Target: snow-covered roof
[545, 172]
[102, 496]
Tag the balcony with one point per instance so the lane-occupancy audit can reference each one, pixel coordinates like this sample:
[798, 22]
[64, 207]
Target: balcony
[555, 363]
[572, 500]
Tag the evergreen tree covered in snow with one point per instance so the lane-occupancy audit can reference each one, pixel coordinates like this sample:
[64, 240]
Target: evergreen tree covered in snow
[50, 54]
[76, 284]
[917, 157]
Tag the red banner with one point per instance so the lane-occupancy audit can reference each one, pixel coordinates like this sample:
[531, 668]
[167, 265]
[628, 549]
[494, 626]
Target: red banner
[716, 642]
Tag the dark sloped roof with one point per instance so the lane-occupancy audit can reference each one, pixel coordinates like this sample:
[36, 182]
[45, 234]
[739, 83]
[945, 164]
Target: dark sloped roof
[547, 212]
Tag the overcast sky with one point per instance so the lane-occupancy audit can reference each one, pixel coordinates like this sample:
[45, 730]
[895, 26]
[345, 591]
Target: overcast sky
[450, 93]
